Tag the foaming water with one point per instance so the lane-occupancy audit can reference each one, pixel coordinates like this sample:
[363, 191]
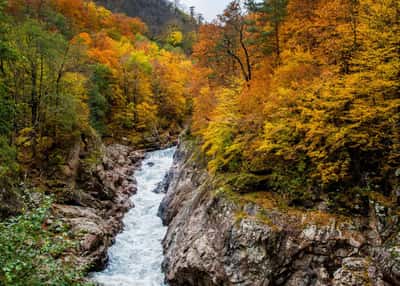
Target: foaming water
[136, 256]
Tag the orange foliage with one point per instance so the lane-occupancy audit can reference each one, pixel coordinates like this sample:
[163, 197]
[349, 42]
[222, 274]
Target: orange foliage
[324, 116]
[87, 15]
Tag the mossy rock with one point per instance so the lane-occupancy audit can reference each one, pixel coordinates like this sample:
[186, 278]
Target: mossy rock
[353, 201]
[245, 182]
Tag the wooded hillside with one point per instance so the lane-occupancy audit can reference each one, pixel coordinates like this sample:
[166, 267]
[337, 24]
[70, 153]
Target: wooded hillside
[302, 98]
[295, 98]
[161, 16]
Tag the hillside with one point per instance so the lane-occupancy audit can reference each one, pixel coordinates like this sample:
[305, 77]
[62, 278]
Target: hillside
[157, 14]
[282, 121]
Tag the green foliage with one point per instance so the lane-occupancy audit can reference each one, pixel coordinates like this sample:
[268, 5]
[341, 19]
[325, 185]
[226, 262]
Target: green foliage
[99, 94]
[34, 43]
[8, 165]
[354, 200]
[66, 113]
[6, 112]
[29, 252]
[70, 65]
[246, 182]
[5, 50]
[139, 61]
[98, 108]
[271, 13]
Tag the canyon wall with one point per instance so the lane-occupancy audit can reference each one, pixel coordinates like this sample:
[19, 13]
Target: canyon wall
[217, 237]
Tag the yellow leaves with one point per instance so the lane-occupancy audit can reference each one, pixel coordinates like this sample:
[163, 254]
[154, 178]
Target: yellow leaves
[145, 79]
[76, 82]
[139, 61]
[325, 116]
[24, 137]
[175, 38]
[333, 172]
[220, 132]
[103, 14]
[203, 105]
[124, 47]
[171, 82]
[147, 113]
[298, 68]
[97, 14]
[328, 113]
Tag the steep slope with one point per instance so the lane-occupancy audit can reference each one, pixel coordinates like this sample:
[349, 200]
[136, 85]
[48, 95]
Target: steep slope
[158, 14]
[217, 237]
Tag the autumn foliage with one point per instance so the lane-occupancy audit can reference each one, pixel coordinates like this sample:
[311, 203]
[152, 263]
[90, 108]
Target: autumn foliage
[301, 95]
[320, 113]
[68, 67]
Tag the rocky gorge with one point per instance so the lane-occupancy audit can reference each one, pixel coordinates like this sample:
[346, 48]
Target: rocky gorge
[216, 237]
[96, 202]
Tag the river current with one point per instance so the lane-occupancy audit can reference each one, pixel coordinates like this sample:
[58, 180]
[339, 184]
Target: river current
[135, 258]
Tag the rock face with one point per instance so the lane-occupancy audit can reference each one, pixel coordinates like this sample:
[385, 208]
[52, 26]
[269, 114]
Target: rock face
[10, 203]
[97, 201]
[214, 240]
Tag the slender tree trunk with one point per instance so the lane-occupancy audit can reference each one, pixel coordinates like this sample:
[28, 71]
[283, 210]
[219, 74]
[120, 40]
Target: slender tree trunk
[39, 96]
[242, 67]
[15, 99]
[34, 108]
[246, 53]
[2, 67]
[60, 74]
[134, 101]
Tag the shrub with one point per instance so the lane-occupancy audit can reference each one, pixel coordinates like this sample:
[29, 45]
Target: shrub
[30, 253]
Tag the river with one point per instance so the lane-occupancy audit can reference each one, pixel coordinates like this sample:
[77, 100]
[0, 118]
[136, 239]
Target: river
[135, 258]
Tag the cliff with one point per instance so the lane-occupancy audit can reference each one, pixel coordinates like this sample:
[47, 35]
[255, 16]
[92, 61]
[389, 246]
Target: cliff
[218, 237]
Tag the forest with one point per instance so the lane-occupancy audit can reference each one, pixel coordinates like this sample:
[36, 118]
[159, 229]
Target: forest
[70, 68]
[302, 97]
[299, 98]
[71, 71]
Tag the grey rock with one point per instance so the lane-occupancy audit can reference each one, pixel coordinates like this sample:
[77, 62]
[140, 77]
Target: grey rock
[100, 196]
[207, 244]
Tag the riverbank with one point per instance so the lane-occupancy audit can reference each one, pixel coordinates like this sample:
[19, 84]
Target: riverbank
[220, 237]
[94, 211]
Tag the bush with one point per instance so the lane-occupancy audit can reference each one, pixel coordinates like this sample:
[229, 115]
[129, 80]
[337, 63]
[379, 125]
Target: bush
[8, 165]
[29, 252]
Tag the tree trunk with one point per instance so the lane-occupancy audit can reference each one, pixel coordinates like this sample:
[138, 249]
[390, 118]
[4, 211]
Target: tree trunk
[246, 53]
[34, 109]
[58, 82]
